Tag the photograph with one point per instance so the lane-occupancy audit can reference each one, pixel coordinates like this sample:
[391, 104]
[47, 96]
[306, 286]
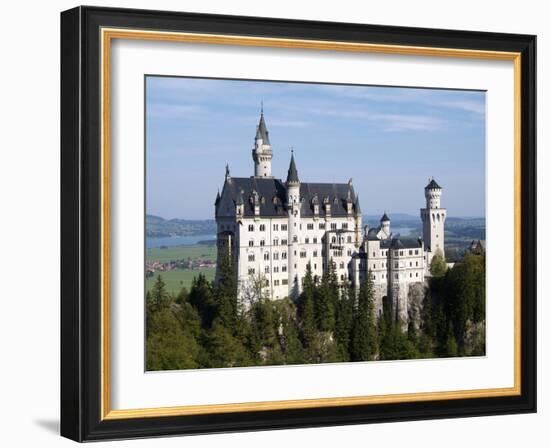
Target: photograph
[292, 223]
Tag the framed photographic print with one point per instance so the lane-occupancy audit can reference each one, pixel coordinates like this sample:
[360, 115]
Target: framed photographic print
[273, 223]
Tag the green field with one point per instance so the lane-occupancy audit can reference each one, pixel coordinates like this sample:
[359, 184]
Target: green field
[178, 278]
[198, 251]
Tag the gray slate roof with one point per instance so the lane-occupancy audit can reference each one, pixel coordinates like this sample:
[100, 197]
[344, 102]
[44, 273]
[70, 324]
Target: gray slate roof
[433, 185]
[272, 194]
[292, 171]
[262, 132]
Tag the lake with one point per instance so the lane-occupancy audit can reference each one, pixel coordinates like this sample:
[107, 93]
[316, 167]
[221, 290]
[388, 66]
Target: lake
[168, 241]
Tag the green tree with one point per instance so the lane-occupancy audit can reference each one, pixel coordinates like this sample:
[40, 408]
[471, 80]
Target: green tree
[306, 310]
[168, 345]
[226, 296]
[344, 321]
[202, 298]
[364, 343]
[438, 266]
[326, 297]
[222, 349]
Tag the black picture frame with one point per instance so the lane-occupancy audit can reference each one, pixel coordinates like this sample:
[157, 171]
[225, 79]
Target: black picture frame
[81, 224]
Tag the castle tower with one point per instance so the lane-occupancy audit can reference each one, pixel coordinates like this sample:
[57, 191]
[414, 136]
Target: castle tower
[261, 153]
[433, 220]
[294, 207]
[385, 224]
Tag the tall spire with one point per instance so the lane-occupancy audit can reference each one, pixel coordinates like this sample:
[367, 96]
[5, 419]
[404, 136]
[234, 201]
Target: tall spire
[261, 131]
[292, 171]
[227, 174]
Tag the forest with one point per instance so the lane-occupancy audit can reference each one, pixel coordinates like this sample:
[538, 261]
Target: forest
[206, 326]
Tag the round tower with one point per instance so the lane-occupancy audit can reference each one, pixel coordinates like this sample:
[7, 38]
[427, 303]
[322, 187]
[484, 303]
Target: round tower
[433, 220]
[294, 210]
[261, 153]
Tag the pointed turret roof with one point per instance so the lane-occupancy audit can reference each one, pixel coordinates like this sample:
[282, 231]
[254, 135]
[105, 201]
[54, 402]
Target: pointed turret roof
[218, 197]
[292, 171]
[433, 185]
[384, 217]
[261, 131]
[357, 206]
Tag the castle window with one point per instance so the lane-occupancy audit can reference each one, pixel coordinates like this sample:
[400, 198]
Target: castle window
[283, 255]
[315, 253]
[303, 254]
[410, 275]
[400, 252]
[262, 227]
[396, 252]
[410, 252]
[341, 265]
[251, 243]
[315, 266]
[251, 271]
[344, 225]
[283, 269]
[374, 277]
[396, 265]
[276, 269]
[266, 256]
[410, 264]
[374, 254]
[295, 239]
[349, 252]
[416, 252]
[275, 255]
[262, 242]
[321, 226]
[310, 226]
[250, 228]
[284, 227]
[284, 281]
[333, 225]
[396, 276]
[250, 257]
[314, 240]
[275, 282]
[417, 263]
[417, 274]
[275, 241]
[266, 269]
[333, 239]
[374, 266]
[307, 240]
[275, 226]
[349, 239]
[284, 242]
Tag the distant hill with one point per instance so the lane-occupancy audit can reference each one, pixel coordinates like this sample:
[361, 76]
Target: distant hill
[157, 226]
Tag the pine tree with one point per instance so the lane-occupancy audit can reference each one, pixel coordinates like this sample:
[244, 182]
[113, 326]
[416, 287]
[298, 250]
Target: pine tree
[344, 321]
[226, 296]
[159, 296]
[325, 299]
[306, 311]
[202, 298]
[364, 343]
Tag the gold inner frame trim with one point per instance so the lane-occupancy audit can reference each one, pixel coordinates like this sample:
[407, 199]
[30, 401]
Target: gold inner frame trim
[107, 35]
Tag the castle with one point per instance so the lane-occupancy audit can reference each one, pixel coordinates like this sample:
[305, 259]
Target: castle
[272, 230]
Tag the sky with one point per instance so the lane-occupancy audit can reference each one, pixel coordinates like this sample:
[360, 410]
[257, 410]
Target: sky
[389, 140]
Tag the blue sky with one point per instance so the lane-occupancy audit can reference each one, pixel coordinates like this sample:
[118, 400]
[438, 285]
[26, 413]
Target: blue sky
[390, 140]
